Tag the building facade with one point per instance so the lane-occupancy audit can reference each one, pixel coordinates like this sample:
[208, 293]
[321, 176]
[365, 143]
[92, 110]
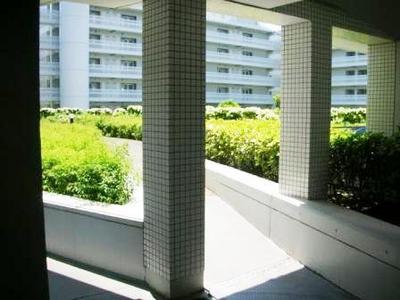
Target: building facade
[92, 57]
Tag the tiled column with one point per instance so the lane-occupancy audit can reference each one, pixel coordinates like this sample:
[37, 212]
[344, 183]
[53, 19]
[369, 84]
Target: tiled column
[383, 109]
[173, 145]
[305, 116]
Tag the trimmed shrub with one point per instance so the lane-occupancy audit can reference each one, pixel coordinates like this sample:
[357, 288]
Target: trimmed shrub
[76, 162]
[100, 111]
[365, 171]
[348, 115]
[122, 126]
[229, 103]
[47, 112]
[135, 110]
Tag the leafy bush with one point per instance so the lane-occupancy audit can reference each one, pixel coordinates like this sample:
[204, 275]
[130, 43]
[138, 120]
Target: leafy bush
[100, 111]
[229, 103]
[365, 171]
[249, 145]
[122, 126]
[349, 115]
[76, 162]
[277, 101]
[134, 110]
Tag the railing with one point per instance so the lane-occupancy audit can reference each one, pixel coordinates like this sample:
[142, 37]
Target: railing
[49, 93]
[213, 97]
[49, 42]
[236, 39]
[115, 46]
[345, 61]
[49, 67]
[47, 16]
[349, 99]
[238, 59]
[115, 22]
[116, 70]
[240, 79]
[349, 80]
[115, 94]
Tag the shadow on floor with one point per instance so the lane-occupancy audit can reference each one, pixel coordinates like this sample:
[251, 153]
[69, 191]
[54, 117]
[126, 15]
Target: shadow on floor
[299, 285]
[65, 288]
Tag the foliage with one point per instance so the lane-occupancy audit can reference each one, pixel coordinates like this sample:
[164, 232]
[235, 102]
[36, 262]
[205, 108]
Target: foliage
[122, 126]
[229, 104]
[76, 162]
[249, 145]
[277, 101]
[135, 110]
[365, 171]
[348, 115]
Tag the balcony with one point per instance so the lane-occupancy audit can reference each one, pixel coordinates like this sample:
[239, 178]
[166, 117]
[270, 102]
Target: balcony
[49, 68]
[349, 61]
[237, 59]
[349, 80]
[49, 42]
[349, 100]
[113, 23]
[49, 17]
[115, 95]
[115, 71]
[213, 97]
[232, 78]
[115, 47]
[49, 94]
[239, 40]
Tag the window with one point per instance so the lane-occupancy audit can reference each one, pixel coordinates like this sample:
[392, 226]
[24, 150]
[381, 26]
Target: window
[247, 72]
[361, 92]
[350, 72]
[128, 63]
[55, 6]
[223, 30]
[247, 91]
[94, 36]
[128, 40]
[222, 70]
[95, 12]
[94, 61]
[222, 50]
[247, 34]
[359, 53]
[362, 72]
[223, 90]
[128, 86]
[350, 53]
[55, 31]
[129, 17]
[55, 83]
[95, 85]
[247, 53]
[55, 57]
[350, 92]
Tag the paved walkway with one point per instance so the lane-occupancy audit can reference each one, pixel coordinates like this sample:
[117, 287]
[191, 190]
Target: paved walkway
[240, 264]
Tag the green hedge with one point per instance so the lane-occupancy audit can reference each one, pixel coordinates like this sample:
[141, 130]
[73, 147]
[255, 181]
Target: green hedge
[122, 126]
[76, 162]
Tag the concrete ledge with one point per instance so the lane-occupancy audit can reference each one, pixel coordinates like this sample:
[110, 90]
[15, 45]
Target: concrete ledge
[107, 237]
[358, 253]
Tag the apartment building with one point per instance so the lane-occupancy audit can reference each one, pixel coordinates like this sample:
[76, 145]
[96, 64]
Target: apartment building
[92, 56]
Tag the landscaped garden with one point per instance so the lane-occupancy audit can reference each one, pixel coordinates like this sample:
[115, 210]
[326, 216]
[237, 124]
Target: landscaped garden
[364, 167]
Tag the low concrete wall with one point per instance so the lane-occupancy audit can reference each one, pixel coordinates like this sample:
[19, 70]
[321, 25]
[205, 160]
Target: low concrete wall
[356, 252]
[94, 235]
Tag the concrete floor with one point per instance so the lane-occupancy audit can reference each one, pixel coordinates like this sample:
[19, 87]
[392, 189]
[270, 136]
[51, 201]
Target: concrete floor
[240, 263]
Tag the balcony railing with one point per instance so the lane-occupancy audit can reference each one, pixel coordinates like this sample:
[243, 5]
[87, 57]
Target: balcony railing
[117, 71]
[49, 94]
[49, 68]
[349, 80]
[236, 39]
[115, 95]
[348, 61]
[213, 97]
[349, 99]
[113, 22]
[49, 42]
[232, 78]
[113, 47]
[238, 59]
[49, 17]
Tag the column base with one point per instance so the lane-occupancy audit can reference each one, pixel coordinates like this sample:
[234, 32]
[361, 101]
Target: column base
[183, 288]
